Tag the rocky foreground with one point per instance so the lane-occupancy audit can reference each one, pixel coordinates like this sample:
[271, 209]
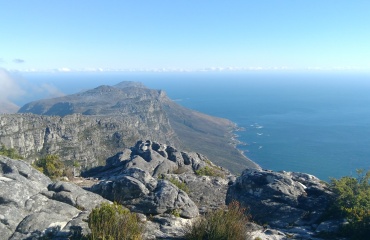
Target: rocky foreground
[287, 205]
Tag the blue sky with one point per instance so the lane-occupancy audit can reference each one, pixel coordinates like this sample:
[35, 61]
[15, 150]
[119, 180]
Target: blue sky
[190, 35]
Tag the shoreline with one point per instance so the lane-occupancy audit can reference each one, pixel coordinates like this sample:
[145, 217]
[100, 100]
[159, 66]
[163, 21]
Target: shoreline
[235, 142]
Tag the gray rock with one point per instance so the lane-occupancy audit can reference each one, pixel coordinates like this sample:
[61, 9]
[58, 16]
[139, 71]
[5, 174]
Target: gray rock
[142, 193]
[31, 206]
[166, 226]
[74, 195]
[281, 199]
[330, 226]
[208, 193]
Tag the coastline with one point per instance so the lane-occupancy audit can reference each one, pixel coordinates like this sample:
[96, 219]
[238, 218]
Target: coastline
[235, 142]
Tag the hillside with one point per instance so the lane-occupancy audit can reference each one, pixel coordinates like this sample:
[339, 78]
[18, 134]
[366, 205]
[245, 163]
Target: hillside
[151, 112]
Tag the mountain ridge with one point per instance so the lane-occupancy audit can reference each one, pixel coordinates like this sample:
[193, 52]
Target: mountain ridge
[147, 114]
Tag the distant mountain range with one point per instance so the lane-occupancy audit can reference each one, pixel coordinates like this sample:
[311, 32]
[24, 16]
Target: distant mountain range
[114, 117]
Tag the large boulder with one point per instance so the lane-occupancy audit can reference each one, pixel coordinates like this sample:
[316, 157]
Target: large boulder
[31, 206]
[142, 193]
[152, 157]
[281, 199]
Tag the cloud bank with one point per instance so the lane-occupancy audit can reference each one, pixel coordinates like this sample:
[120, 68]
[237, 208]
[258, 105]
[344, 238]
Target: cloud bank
[14, 88]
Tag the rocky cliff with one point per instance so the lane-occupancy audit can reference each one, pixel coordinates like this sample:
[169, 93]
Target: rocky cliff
[86, 139]
[114, 117]
[143, 178]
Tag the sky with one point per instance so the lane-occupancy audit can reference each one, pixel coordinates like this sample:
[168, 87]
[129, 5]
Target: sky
[89, 35]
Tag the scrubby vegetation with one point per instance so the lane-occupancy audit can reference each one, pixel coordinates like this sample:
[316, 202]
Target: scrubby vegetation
[222, 224]
[50, 165]
[177, 183]
[9, 152]
[209, 171]
[112, 221]
[352, 201]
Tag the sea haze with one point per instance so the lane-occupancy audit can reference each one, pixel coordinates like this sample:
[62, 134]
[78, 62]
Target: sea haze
[317, 123]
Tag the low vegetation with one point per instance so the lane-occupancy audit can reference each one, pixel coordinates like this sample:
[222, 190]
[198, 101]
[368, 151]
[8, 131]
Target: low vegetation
[113, 221]
[51, 166]
[222, 224]
[179, 184]
[9, 152]
[352, 201]
[209, 171]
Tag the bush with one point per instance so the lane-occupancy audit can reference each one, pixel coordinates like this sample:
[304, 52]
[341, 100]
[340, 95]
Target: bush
[222, 224]
[11, 153]
[112, 221]
[209, 171]
[50, 165]
[352, 200]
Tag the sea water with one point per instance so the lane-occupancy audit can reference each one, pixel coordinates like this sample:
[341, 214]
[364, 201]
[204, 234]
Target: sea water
[318, 123]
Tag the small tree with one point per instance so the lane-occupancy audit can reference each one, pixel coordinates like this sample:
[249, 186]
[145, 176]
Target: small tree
[353, 202]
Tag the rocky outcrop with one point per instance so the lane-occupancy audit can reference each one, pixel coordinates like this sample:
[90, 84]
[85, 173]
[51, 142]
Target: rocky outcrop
[135, 112]
[147, 179]
[291, 201]
[32, 206]
[130, 178]
[141, 193]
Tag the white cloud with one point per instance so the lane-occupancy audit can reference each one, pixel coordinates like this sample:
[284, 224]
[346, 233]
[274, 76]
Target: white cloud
[15, 88]
[10, 88]
[51, 90]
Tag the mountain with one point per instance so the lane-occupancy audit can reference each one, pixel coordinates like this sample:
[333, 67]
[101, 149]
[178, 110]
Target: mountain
[144, 113]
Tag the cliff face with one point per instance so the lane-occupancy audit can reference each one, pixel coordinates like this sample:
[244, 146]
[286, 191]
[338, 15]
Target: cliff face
[87, 139]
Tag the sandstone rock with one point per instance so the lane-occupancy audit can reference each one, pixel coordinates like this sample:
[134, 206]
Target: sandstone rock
[142, 193]
[280, 199]
[166, 226]
[31, 206]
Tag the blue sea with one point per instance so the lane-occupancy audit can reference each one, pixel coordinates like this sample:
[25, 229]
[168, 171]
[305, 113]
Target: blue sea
[318, 123]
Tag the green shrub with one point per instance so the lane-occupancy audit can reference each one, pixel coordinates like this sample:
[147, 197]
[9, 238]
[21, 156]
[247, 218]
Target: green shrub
[9, 152]
[175, 213]
[50, 165]
[112, 221]
[352, 201]
[177, 183]
[222, 224]
[209, 171]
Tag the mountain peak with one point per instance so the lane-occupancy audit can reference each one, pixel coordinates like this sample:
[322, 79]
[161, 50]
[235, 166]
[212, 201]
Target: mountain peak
[126, 84]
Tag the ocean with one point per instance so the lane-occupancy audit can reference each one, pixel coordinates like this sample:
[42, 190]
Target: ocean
[318, 123]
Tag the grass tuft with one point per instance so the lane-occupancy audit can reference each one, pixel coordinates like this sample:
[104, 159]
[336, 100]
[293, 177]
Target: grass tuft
[222, 224]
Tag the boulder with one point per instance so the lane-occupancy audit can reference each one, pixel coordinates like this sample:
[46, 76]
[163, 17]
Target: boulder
[281, 199]
[142, 193]
[32, 206]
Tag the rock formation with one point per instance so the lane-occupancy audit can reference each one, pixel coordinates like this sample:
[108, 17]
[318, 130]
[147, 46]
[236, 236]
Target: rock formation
[291, 201]
[145, 179]
[32, 206]
[130, 111]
